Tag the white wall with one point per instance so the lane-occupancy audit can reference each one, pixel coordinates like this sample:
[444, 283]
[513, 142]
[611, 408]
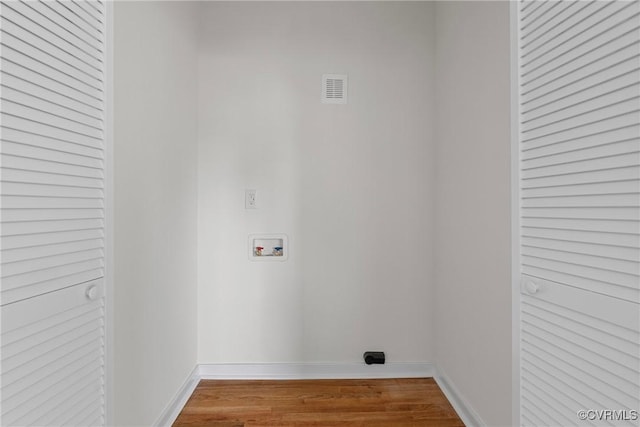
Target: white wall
[351, 185]
[355, 187]
[473, 284]
[155, 205]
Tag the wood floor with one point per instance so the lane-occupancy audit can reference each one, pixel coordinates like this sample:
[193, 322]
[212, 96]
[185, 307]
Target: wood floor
[384, 402]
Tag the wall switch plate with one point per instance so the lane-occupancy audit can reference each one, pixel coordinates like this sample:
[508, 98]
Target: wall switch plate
[250, 199]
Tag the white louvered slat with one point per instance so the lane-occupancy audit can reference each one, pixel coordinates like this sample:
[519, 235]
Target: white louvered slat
[52, 247]
[32, 371]
[48, 178]
[33, 35]
[90, 33]
[546, 31]
[18, 188]
[39, 53]
[607, 123]
[83, 11]
[526, 4]
[603, 200]
[93, 419]
[629, 146]
[32, 241]
[534, 12]
[577, 97]
[52, 118]
[596, 139]
[71, 265]
[615, 174]
[579, 188]
[625, 213]
[19, 170]
[42, 66]
[605, 162]
[52, 355]
[622, 284]
[53, 261]
[601, 226]
[29, 88]
[582, 346]
[14, 121]
[19, 97]
[572, 106]
[38, 76]
[581, 54]
[35, 150]
[31, 158]
[599, 249]
[569, 379]
[604, 263]
[583, 72]
[590, 236]
[619, 115]
[74, 30]
[81, 320]
[88, 406]
[48, 202]
[595, 23]
[539, 400]
[48, 27]
[36, 228]
[18, 408]
[51, 145]
[72, 389]
[560, 384]
[565, 350]
[91, 9]
[619, 350]
[584, 189]
[618, 77]
[16, 215]
[30, 146]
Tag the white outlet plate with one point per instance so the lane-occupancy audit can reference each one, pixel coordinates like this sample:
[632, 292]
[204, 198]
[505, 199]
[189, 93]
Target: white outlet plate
[250, 199]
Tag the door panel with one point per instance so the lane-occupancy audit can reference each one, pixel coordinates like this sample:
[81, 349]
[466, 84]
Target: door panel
[579, 212]
[52, 212]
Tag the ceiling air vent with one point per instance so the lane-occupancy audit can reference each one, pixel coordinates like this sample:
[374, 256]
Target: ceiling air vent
[334, 88]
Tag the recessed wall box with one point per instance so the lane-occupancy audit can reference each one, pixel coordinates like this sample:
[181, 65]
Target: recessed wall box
[268, 247]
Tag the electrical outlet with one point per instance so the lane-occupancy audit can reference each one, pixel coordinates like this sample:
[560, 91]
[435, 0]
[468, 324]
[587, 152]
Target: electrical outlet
[250, 199]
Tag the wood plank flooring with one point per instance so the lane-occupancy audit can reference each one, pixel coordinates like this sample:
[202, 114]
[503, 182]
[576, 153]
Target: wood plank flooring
[371, 403]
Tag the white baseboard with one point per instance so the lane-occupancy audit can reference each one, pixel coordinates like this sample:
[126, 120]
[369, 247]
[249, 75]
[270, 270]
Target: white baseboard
[467, 414]
[311, 371]
[176, 404]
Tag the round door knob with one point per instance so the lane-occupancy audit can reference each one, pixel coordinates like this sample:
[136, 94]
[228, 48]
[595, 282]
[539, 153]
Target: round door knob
[92, 292]
[531, 287]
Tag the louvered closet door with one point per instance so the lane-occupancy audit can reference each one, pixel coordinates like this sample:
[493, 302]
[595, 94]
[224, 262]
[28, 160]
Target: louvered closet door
[579, 114]
[52, 212]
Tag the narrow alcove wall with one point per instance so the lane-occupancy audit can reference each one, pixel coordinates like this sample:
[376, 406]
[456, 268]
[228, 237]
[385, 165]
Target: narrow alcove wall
[472, 205]
[155, 206]
[351, 185]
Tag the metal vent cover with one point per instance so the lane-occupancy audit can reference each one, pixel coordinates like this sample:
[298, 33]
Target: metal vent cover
[334, 88]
